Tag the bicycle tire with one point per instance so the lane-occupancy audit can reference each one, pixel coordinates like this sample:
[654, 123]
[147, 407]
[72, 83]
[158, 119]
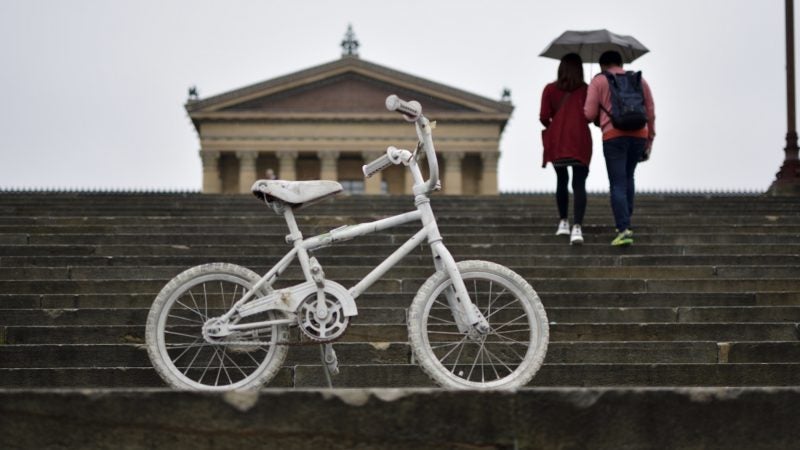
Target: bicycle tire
[434, 336]
[175, 343]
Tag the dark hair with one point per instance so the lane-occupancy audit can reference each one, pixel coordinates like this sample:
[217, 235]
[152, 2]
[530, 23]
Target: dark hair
[570, 73]
[611, 58]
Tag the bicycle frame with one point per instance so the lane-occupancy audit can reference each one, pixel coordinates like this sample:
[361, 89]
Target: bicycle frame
[466, 315]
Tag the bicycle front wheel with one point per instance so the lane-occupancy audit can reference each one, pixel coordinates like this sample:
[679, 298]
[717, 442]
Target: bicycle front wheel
[505, 358]
[180, 353]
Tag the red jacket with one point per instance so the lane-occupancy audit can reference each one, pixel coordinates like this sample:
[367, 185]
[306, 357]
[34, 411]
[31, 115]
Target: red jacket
[566, 134]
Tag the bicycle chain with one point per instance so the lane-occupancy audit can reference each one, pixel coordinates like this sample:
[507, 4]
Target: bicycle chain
[295, 343]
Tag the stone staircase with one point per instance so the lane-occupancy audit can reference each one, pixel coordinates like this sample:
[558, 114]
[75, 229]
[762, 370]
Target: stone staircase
[709, 295]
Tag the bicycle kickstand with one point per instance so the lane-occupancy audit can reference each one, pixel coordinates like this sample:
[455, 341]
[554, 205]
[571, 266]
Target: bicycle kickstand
[329, 362]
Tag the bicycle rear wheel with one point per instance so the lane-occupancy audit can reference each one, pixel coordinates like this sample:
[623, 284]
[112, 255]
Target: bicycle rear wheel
[180, 353]
[505, 358]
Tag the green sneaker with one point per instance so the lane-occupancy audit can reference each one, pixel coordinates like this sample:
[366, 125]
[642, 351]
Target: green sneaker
[622, 239]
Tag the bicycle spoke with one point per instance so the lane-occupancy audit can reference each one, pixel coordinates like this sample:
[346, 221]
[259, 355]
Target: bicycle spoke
[513, 350]
[191, 363]
[185, 319]
[233, 296]
[489, 354]
[483, 348]
[524, 314]
[457, 333]
[234, 365]
[469, 375]
[491, 302]
[458, 357]
[255, 361]
[175, 360]
[504, 307]
[175, 333]
[210, 360]
[192, 310]
[489, 306]
[506, 332]
[197, 306]
[448, 322]
[514, 341]
[453, 349]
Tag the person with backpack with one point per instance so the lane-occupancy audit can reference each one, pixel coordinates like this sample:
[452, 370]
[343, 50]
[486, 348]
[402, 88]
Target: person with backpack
[621, 104]
[567, 141]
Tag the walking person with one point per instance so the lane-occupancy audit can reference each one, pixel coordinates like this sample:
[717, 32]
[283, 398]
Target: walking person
[567, 141]
[621, 104]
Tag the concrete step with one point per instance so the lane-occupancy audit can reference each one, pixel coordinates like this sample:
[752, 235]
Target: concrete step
[573, 375]
[373, 299]
[753, 418]
[23, 233]
[708, 294]
[410, 286]
[41, 356]
[460, 251]
[407, 375]
[409, 270]
[397, 315]
[356, 332]
[487, 237]
[559, 261]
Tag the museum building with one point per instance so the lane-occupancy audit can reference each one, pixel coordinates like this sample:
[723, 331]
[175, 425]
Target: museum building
[327, 121]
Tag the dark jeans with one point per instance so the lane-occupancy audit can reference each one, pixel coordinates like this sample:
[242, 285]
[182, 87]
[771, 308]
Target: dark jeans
[622, 154]
[579, 174]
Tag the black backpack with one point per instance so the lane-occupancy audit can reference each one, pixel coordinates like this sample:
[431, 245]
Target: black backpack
[628, 112]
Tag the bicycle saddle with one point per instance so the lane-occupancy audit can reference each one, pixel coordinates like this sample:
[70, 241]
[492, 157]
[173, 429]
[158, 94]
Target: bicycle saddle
[295, 193]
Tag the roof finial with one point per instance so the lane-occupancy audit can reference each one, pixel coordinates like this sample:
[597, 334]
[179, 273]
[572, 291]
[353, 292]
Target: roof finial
[506, 95]
[350, 43]
[193, 95]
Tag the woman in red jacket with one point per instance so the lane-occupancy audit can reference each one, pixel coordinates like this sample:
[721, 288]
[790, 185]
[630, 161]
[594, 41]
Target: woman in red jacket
[567, 141]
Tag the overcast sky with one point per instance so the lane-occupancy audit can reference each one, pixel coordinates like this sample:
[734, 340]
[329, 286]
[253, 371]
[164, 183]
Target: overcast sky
[93, 90]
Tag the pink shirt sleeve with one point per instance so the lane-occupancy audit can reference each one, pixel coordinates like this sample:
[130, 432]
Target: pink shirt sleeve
[594, 96]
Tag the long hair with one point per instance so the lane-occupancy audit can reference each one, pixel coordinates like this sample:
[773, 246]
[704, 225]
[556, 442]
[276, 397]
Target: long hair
[570, 73]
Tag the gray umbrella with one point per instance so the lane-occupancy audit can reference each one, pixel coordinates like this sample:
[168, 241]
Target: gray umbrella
[591, 44]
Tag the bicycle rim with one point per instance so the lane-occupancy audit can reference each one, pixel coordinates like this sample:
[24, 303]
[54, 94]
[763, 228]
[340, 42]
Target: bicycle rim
[191, 361]
[505, 357]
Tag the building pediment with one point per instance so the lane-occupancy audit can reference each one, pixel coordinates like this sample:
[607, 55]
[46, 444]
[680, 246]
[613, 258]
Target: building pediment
[346, 87]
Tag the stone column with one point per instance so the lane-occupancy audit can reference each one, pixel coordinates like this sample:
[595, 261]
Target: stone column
[372, 185]
[287, 168]
[212, 183]
[247, 170]
[489, 173]
[409, 181]
[328, 161]
[452, 173]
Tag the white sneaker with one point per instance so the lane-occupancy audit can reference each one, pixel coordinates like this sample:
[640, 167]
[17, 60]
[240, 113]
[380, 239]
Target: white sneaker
[576, 237]
[563, 228]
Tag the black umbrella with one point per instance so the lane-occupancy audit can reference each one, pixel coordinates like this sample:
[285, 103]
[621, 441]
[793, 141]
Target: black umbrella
[591, 44]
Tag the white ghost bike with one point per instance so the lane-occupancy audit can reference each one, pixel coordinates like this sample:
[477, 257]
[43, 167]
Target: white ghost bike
[472, 324]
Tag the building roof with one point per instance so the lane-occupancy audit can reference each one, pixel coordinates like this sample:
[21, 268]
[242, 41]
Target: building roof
[349, 88]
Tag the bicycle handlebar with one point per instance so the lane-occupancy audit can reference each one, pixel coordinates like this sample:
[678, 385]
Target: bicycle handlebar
[376, 166]
[410, 110]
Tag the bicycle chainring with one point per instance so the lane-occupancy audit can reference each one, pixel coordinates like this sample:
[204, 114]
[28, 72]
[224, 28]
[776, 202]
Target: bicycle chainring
[326, 329]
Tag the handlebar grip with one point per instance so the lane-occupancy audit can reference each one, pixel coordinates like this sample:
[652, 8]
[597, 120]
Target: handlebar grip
[412, 110]
[376, 166]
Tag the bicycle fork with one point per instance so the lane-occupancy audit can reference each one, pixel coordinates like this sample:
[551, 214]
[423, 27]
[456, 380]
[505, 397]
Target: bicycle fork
[468, 316]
